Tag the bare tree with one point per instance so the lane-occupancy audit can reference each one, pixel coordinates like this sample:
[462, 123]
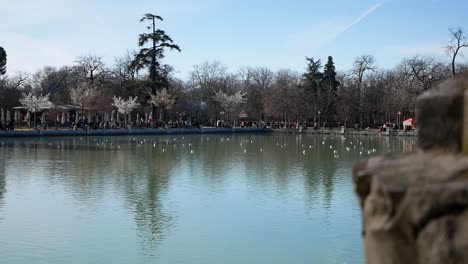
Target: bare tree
[361, 65]
[90, 68]
[424, 70]
[458, 40]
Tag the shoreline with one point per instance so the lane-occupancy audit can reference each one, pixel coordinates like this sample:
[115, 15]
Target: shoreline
[351, 132]
[125, 132]
[206, 130]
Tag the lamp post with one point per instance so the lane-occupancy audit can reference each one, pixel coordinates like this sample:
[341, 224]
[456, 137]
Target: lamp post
[318, 119]
[399, 119]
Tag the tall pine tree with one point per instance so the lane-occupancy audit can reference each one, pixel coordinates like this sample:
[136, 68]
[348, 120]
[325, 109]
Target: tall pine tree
[3, 60]
[312, 78]
[328, 87]
[150, 57]
[329, 74]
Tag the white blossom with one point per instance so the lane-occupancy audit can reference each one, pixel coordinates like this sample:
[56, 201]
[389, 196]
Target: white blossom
[230, 103]
[125, 106]
[162, 98]
[83, 94]
[35, 103]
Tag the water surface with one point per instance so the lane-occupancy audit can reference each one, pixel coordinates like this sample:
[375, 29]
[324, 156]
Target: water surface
[246, 198]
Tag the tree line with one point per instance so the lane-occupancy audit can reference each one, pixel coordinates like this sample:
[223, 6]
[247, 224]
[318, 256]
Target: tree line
[365, 95]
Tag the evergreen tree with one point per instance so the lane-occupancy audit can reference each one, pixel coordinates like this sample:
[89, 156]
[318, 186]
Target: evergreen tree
[3, 60]
[328, 87]
[312, 76]
[150, 57]
[329, 73]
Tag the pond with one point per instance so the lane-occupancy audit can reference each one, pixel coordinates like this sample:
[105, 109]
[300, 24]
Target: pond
[232, 198]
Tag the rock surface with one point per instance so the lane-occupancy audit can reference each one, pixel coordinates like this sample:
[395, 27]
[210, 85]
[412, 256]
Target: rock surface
[439, 115]
[415, 207]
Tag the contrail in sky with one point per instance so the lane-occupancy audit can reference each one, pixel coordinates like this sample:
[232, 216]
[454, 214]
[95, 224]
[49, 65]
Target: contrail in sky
[362, 16]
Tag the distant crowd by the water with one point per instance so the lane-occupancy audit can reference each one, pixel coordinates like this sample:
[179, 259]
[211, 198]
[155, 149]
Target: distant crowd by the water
[142, 123]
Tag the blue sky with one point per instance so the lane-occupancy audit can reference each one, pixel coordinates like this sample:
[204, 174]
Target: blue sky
[276, 34]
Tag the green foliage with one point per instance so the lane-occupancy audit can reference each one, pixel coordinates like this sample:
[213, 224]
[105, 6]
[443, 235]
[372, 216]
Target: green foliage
[321, 87]
[329, 74]
[149, 57]
[329, 69]
[3, 61]
[312, 76]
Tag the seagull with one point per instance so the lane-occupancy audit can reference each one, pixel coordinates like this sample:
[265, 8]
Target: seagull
[347, 148]
[303, 152]
[261, 150]
[191, 151]
[245, 151]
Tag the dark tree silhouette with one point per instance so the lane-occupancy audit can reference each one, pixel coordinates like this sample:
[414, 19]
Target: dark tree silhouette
[150, 57]
[458, 40]
[3, 60]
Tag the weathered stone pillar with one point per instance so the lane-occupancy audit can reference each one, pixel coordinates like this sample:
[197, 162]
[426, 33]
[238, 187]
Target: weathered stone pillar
[415, 206]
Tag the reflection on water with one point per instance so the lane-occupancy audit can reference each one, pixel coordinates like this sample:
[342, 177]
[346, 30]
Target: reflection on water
[195, 199]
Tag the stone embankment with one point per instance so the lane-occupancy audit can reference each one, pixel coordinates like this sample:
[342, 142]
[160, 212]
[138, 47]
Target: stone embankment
[352, 131]
[123, 132]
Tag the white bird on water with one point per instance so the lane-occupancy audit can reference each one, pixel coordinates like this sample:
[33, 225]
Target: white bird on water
[245, 151]
[303, 152]
[261, 150]
[347, 148]
[191, 151]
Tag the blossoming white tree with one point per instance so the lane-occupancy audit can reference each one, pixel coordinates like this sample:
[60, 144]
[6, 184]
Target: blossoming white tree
[230, 103]
[125, 107]
[35, 103]
[83, 94]
[163, 99]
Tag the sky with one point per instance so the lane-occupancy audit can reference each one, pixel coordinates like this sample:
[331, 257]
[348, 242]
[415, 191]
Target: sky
[269, 33]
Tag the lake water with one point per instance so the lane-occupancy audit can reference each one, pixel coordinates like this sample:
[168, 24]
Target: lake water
[244, 198]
